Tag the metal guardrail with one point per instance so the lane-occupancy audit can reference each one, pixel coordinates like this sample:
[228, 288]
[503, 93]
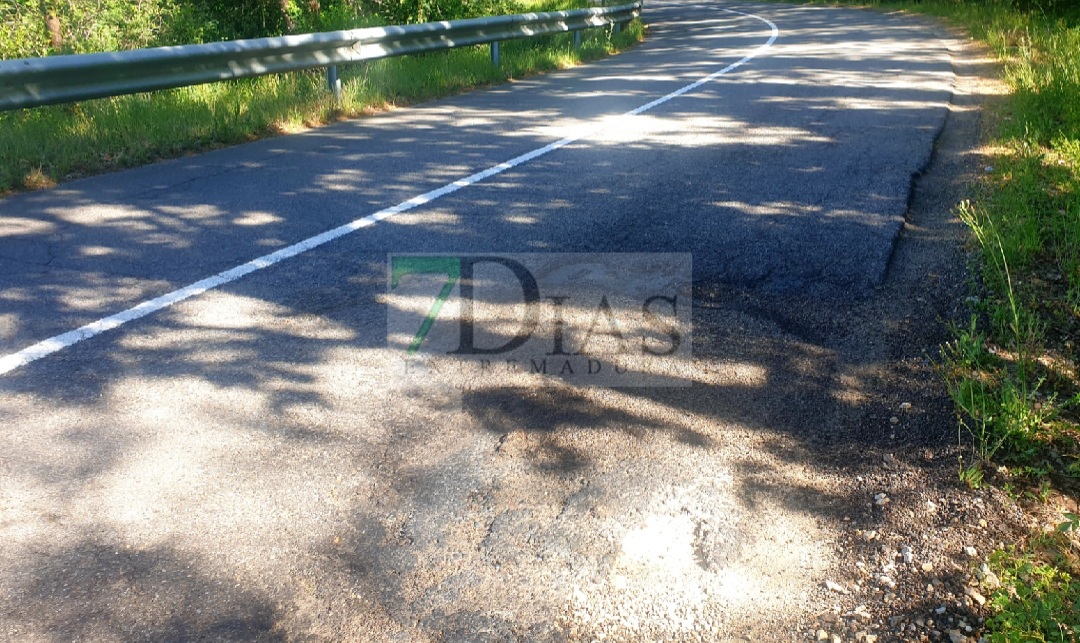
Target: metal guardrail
[32, 82]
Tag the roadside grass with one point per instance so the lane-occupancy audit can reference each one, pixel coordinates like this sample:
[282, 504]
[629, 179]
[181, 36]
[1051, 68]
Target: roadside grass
[43, 146]
[1012, 370]
[1038, 595]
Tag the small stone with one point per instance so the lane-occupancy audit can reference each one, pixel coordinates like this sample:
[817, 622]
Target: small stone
[835, 587]
[881, 500]
[905, 406]
[930, 505]
[928, 567]
[871, 638]
[975, 595]
[822, 635]
[894, 420]
[983, 523]
[836, 639]
[940, 610]
[956, 636]
[905, 551]
[869, 535]
[971, 551]
[886, 581]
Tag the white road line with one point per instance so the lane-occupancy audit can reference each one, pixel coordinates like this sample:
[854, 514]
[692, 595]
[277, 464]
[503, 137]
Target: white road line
[13, 361]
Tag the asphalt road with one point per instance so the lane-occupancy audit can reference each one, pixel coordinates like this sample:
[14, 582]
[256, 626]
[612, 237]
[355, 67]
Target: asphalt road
[244, 465]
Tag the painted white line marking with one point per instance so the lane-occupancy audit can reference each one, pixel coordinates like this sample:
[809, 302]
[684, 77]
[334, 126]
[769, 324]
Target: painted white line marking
[13, 361]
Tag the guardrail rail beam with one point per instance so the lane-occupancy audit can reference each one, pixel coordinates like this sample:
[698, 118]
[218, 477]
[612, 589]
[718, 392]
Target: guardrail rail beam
[33, 82]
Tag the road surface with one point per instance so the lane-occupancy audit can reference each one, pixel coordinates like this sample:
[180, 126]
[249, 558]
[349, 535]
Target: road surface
[244, 464]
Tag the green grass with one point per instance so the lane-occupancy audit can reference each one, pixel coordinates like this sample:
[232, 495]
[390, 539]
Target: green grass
[1039, 594]
[1018, 393]
[43, 146]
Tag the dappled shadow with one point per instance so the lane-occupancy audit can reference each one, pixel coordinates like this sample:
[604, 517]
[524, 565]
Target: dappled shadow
[90, 246]
[265, 422]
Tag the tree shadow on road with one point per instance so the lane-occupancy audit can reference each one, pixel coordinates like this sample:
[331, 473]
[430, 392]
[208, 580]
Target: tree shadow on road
[500, 513]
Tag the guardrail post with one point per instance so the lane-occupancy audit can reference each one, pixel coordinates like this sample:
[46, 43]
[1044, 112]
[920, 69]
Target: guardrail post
[34, 82]
[334, 82]
[577, 40]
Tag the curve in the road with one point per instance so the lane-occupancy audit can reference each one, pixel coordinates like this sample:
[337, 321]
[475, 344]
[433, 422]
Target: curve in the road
[51, 345]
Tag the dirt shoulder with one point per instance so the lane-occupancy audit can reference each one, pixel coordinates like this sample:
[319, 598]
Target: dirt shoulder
[913, 535]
